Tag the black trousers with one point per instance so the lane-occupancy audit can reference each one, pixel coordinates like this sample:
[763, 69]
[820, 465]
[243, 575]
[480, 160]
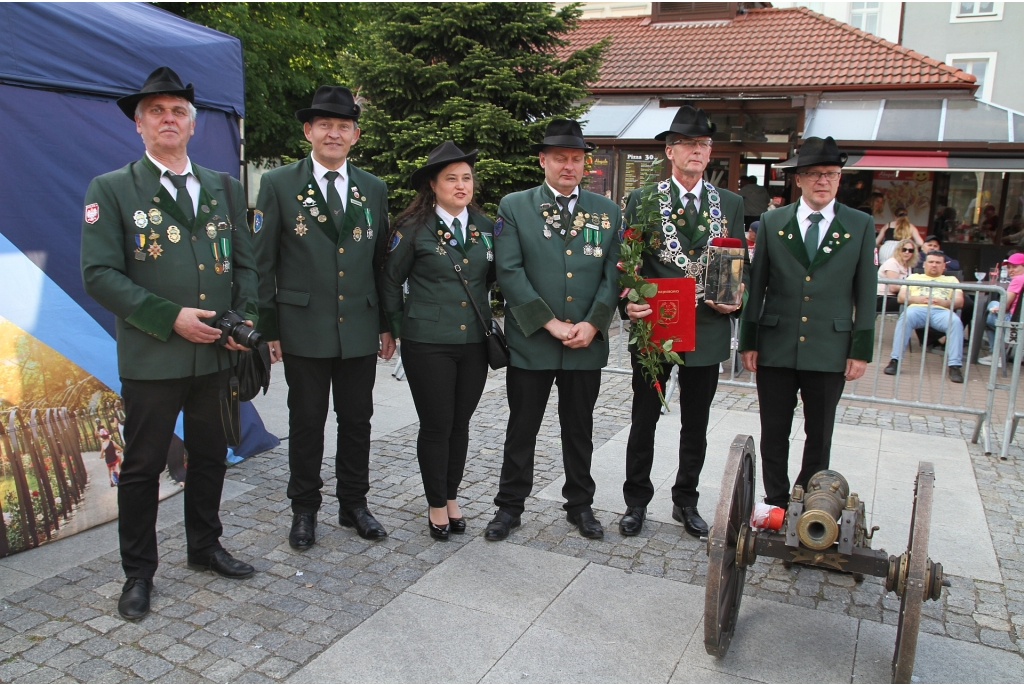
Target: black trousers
[446, 383]
[697, 387]
[310, 382]
[527, 397]
[151, 411]
[777, 389]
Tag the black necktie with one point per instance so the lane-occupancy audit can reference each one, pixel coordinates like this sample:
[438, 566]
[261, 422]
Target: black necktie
[811, 239]
[563, 202]
[333, 198]
[183, 199]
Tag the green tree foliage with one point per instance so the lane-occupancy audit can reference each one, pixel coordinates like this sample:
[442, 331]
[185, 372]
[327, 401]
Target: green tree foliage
[289, 50]
[485, 75]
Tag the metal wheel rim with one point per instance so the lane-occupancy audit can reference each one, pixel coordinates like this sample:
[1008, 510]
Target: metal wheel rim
[724, 589]
[913, 595]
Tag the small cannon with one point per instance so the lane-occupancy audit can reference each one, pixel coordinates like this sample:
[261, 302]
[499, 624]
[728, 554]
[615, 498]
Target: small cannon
[825, 527]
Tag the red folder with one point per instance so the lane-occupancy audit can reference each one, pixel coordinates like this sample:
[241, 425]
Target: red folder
[675, 312]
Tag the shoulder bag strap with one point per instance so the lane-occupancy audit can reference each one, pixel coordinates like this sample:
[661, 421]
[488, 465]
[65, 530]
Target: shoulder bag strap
[465, 285]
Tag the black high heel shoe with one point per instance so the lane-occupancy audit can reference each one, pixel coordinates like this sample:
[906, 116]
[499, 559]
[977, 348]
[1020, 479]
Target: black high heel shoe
[438, 532]
[458, 525]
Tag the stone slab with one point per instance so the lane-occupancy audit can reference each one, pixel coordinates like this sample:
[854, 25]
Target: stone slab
[500, 578]
[939, 659]
[416, 639]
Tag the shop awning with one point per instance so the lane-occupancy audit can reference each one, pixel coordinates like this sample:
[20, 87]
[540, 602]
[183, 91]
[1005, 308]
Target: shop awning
[931, 161]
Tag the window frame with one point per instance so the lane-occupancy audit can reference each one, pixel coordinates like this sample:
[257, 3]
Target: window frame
[985, 92]
[956, 18]
[863, 13]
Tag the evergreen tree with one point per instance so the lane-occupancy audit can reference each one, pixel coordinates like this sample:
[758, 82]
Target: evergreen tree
[486, 75]
[289, 50]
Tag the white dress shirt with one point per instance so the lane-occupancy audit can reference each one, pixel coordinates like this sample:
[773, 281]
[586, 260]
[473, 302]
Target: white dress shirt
[803, 218]
[447, 218]
[192, 184]
[697, 190]
[341, 183]
[572, 203]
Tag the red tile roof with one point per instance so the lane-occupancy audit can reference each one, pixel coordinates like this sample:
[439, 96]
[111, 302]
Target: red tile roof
[773, 48]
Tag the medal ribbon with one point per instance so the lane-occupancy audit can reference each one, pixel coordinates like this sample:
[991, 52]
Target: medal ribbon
[140, 240]
[225, 247]
[216, 252]
[487, 240]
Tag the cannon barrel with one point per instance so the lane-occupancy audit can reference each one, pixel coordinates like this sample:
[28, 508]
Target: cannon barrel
[826, 496]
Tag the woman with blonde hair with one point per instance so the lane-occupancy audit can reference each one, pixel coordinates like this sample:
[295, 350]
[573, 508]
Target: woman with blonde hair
[896, 231]
[899, 265]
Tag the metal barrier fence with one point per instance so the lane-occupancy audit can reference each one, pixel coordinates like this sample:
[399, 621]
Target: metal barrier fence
[42, 470]
[906, 388]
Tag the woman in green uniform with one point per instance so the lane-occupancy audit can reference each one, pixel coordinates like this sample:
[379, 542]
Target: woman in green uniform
[443, 348]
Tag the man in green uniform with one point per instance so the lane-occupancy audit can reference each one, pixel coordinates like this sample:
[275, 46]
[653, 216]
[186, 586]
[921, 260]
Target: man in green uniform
[321, 226]
[161, 251]
[555, 250]
[698, 213]
[809, 324]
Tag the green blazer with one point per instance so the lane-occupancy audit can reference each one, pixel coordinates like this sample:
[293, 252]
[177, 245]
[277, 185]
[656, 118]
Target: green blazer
[146, 283]
[437, 309]
[318, 284]
[545, 278]
[812, 316]
[714, 333]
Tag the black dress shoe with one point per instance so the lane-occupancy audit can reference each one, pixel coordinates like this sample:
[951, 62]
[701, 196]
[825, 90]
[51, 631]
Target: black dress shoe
[223, 564]
[362, 520]
[458, 525]
[691, 521]
[891, 367]
[589, 526]
[438, 532]
[632, 522]
[501, 525]
[303, 533]
[134, 602]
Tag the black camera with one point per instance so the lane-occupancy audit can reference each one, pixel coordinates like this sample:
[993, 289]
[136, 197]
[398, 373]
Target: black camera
[233, 326]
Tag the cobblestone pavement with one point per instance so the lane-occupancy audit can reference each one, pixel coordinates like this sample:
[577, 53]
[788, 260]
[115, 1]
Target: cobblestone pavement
[203, 628]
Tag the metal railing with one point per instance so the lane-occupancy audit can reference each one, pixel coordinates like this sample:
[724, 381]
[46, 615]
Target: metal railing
[905, 389]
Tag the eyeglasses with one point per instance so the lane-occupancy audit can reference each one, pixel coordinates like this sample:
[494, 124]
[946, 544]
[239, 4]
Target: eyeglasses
[691, 143]
[815, 175]
[906, 249]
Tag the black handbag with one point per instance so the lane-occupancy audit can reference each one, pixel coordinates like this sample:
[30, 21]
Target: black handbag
[497, 348]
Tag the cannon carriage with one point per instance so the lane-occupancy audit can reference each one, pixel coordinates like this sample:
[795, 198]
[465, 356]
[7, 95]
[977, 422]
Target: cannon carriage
[824, 527]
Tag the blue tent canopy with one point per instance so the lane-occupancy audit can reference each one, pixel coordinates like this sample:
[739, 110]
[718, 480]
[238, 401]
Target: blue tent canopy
[109, 49]
[62, 66]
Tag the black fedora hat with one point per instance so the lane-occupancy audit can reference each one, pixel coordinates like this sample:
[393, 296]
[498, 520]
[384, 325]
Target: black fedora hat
[689, 122]
[163, 81]
[331, 101]
[441, 156]
[815, 151]
[563, 133]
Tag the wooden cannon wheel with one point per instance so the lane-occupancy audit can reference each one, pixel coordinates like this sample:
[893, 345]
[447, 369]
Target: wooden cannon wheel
[916, 567]
[725, 579]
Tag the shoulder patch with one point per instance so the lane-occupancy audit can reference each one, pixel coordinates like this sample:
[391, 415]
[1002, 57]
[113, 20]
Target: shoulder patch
[499, 224]
[257, 221]
[396, 238]
[92, 213]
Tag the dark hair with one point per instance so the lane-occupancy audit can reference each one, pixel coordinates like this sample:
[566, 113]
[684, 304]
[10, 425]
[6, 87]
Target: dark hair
[421, 210]
[936, 253]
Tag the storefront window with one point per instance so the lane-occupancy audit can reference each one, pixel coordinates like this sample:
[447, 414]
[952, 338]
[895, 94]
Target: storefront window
[972, 213]
[755, 127]
[1013, 212]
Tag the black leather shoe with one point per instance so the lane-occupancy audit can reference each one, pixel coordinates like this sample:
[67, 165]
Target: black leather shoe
[458, 525]
[501, 525]
[362, 520]
[632, 522]
[303, 533]
[438, 532]
[134, 602]
[691, 521]
[891, 367]
[589, 526]
[223, 564]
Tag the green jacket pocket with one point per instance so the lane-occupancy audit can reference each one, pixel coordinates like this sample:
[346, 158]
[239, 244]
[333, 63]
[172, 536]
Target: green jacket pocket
[299, 299]
[843, 325]
[769, 320]
[424, 311]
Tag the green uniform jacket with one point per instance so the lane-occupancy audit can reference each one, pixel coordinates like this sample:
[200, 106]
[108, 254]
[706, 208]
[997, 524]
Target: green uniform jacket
[714, 333]
[812, 317]
[146, 294]
[318, 284]
[437, 309]
[545, 278]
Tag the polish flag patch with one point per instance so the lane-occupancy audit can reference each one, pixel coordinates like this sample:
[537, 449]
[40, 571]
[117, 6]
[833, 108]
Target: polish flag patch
[92, 213]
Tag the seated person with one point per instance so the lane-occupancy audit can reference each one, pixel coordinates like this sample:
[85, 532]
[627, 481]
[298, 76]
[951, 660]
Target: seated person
[933, 305]
[896, 267]
[932, 244]
[1015, 267]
